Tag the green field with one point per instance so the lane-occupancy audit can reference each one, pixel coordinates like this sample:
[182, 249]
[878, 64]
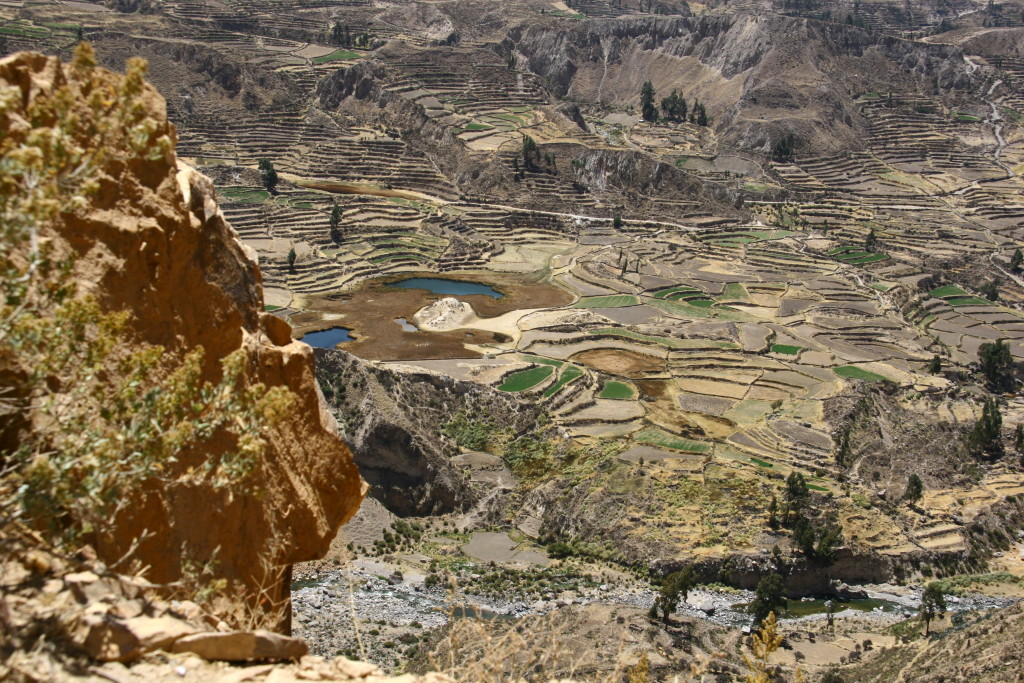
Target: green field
[787, 349]
[526, 379]
[761, 463]
[540, 360]
[569, 373]
[853, 372]
[681, 289]
[610, 301]
[337, 55]
[474, 127]
[619, 391]
[656, 437]
[947, 291]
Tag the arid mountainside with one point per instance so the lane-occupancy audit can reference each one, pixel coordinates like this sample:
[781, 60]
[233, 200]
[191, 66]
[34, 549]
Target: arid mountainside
[760, 76]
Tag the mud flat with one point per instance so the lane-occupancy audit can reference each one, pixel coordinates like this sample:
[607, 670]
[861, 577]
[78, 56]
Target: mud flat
[370, 310]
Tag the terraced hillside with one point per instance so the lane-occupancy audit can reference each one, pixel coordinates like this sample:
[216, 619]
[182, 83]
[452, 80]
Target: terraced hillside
[814, 271]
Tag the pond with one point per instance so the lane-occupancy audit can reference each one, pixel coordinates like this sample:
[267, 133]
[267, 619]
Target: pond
[449, 287]
[406, 325]
[327, 339]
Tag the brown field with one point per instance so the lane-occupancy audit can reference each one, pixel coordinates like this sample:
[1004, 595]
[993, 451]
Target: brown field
[620, 362]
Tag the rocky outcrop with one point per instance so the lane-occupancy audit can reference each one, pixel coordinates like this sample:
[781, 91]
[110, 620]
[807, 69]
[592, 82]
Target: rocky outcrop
[151, 242]
[392, 419]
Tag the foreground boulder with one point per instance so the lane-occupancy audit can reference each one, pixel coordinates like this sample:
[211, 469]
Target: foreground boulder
[151, 242]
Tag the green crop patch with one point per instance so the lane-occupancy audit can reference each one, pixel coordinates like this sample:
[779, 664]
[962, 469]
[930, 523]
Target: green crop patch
[337, 56]
[786, 349]
[761, 463]
[656, 437]
[619, 391]
[853, 372]
[610, 301]
[681, 289]
[475, 127]
[540, 360]
[569, 373]
[526, 379]
[947, 291]
[861, 260]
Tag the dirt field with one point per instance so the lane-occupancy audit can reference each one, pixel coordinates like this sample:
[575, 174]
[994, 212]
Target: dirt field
[619, 362]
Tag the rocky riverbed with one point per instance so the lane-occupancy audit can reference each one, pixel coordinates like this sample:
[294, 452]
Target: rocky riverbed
[373, 610]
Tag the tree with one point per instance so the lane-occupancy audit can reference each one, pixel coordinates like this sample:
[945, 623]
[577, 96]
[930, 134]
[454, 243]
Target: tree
[986, 438]
[335, 221]
[1015, 261]
[291, 259]
[933, 604]
[803, 536]
[769, 596]
[617, 222]
[268, 175]
[935, 365]
[990, 290]
[699, 114]
[914, 490]
[773, 509]
[871, 241]
[647, 108]
[829, 540]
[675, 587]
[531, 153]
[1018, 437]
[796, 496]
[997, 365]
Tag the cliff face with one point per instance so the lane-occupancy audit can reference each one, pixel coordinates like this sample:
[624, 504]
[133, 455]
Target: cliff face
[152, 242]
[759, 76]
[392, 419]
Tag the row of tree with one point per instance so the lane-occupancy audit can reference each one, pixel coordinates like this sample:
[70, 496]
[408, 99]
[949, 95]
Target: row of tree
[673, 107]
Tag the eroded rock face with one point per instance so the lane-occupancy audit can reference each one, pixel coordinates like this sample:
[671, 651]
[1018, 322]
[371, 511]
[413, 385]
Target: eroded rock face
[153, 242]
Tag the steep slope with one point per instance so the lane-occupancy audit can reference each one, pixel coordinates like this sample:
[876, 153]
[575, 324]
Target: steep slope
[149, 241]
[760, 76]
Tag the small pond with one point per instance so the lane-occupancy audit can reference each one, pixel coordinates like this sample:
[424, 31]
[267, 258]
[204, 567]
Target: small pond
[449, 287]
[406, 325]
[327, 339]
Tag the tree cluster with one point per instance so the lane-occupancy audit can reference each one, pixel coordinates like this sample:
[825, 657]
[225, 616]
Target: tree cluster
[674, 107]
[815, 542]
[783, 149]
[997, 366]
[342, 36]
